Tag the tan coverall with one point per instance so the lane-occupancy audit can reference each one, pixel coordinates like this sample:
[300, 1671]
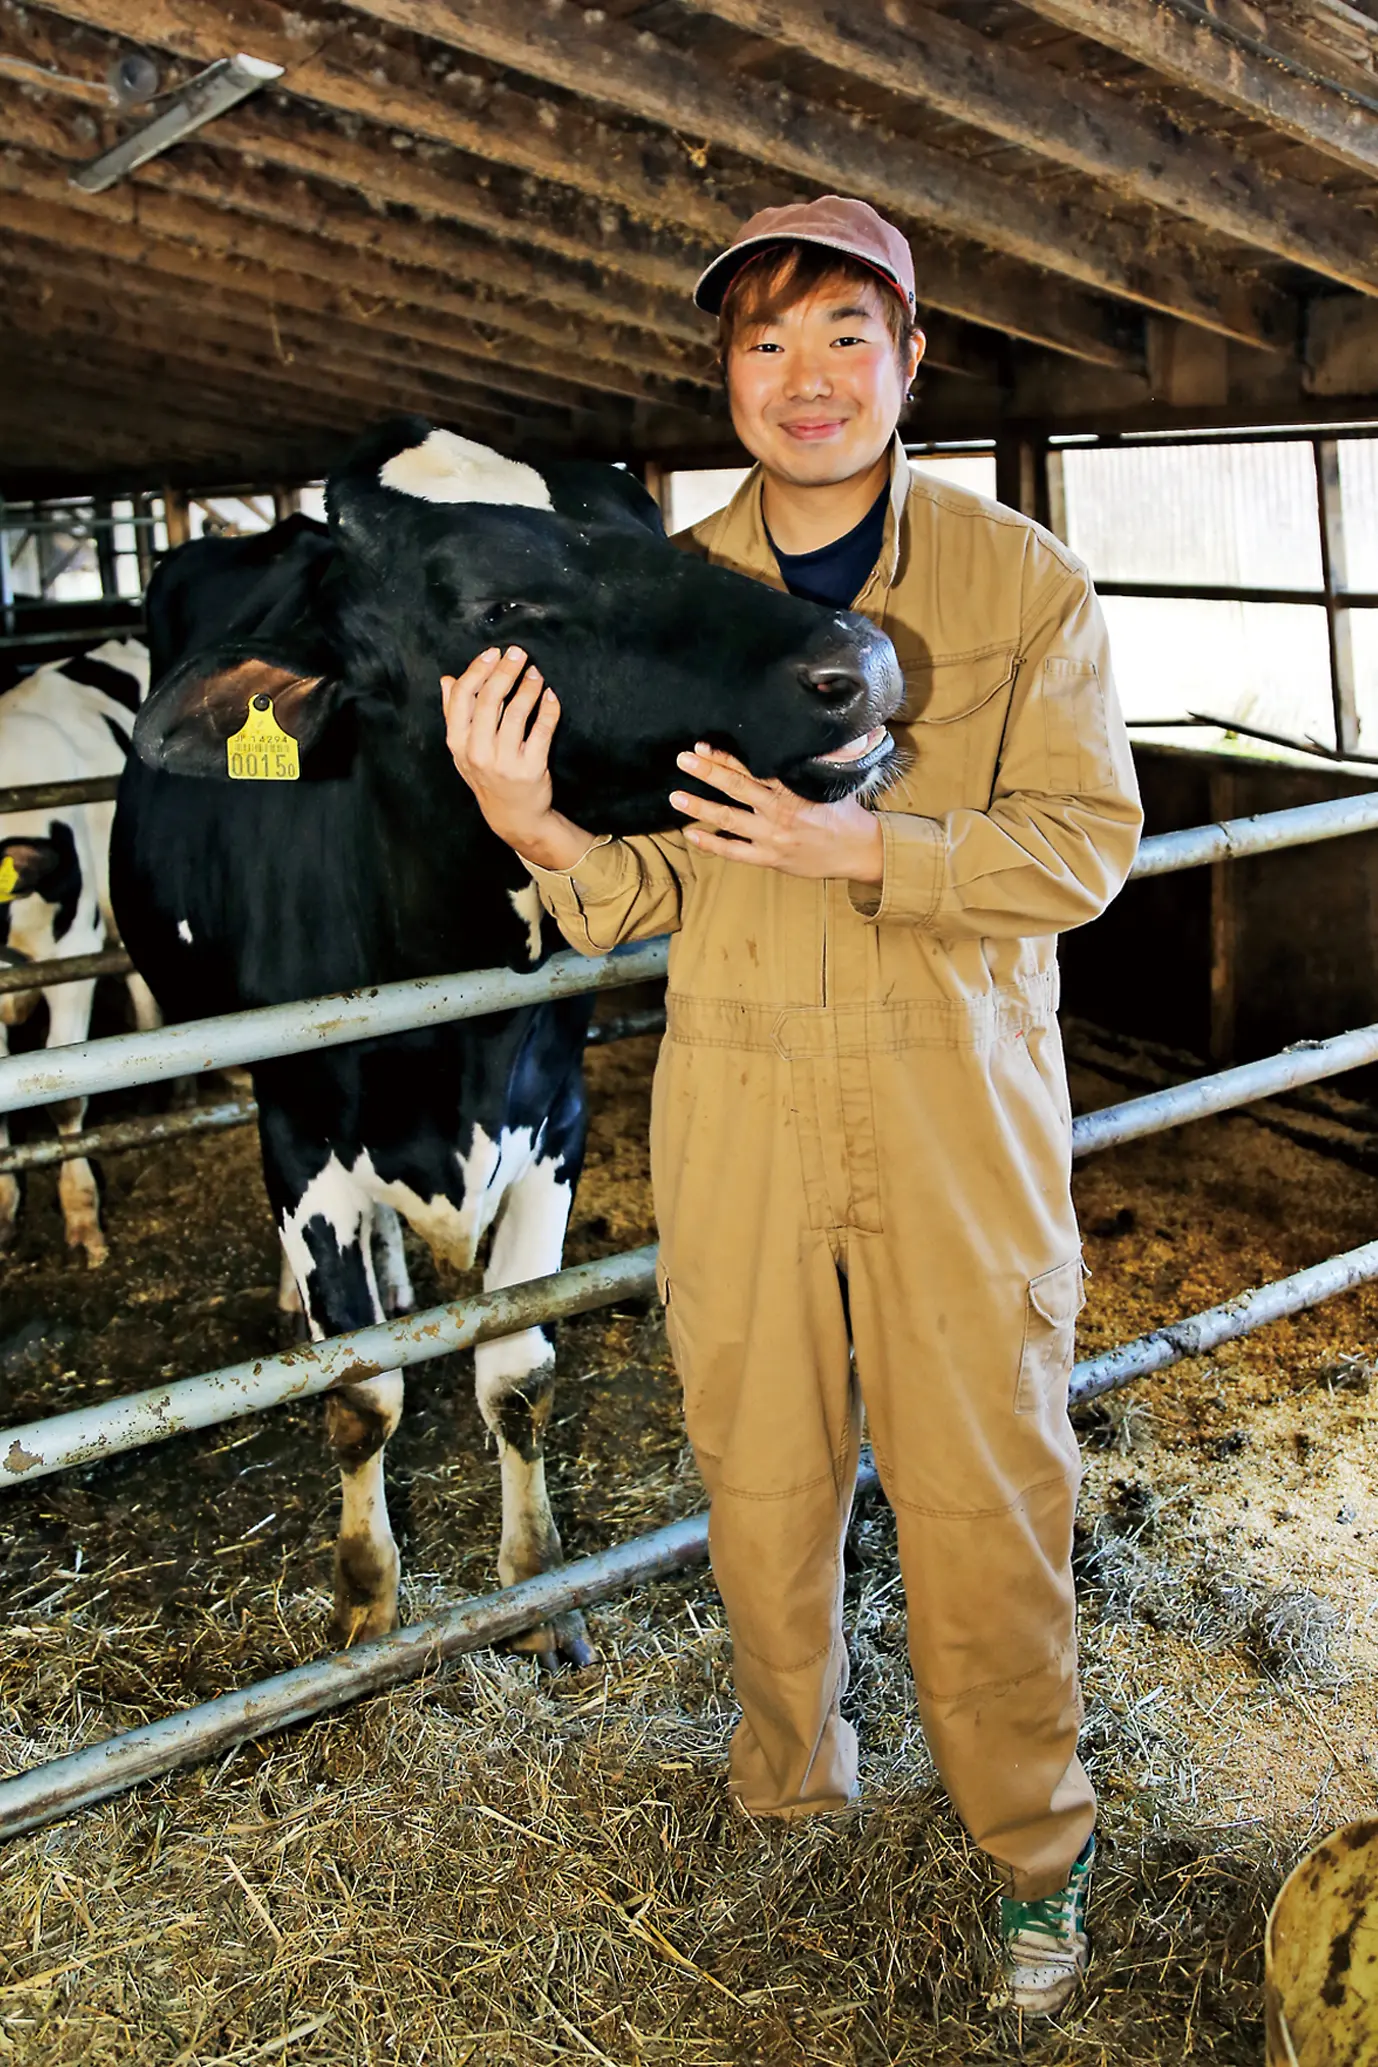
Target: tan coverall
[861, 1131]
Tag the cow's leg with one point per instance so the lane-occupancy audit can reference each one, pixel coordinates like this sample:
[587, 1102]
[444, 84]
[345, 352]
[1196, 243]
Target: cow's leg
[516, 1383]
[291, 1310]
[69, 1019]
[9, 1184]
[327, 1238]
[390, 1262]
[147, 1017]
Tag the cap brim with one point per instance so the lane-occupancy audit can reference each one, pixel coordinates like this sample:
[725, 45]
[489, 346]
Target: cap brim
[710, 289]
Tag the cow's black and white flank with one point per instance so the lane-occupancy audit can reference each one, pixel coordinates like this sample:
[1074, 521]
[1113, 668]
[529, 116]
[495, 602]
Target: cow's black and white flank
[67, 722]
[375, 865]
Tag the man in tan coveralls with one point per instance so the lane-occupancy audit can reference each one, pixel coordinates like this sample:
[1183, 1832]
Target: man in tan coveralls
[861, 1132]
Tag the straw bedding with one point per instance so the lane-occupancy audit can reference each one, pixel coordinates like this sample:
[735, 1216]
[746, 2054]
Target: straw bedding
[488, 1867]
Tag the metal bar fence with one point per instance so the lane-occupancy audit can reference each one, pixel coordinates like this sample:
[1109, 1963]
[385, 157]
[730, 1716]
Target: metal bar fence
[215, 1728]
[108, 961]
[86, 1067]
[150, 1130]
[51, 796]
[88, 1434]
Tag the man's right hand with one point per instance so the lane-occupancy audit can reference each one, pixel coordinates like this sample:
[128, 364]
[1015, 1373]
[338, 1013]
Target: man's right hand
[487, 715]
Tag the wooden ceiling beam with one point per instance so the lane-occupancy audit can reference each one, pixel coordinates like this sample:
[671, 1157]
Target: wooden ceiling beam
[1194, 48]
[1135, 148]
[211, 351]
[85, 456]
[357, 216]
[125, 306]
[118, 419]
[656, 189]
[186, 239]
[586, 53]
[611, 358]
[310, 323]
[572, 226]
[267, 137]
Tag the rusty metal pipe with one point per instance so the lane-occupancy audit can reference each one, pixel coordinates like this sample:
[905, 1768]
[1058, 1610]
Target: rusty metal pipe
[85, 1067]
[144, 1132]
[86, 1435]
[108, 961]
[1198, 1333]
[1235, 838]
[213, 1728]
[51, 796]
[149, 1131]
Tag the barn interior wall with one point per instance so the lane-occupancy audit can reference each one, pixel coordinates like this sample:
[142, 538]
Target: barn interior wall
[1242, 959]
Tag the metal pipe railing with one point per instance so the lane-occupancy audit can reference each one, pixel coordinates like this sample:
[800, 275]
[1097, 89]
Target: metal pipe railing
[107, 961]
[1233, 839]
[147, 1131]
[214, 1728]
[85, 1067]
[51, 796]
[86, 1435]
[1178, 1104]
[1199, 1333]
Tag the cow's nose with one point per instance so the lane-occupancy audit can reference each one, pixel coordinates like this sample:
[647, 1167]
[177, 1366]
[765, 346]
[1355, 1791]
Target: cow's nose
[839, 685]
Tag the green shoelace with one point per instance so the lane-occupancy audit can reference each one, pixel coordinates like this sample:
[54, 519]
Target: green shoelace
[1055, 1917]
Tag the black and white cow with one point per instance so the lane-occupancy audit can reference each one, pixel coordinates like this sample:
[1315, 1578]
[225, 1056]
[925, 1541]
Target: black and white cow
[375, 865]
[67, 722]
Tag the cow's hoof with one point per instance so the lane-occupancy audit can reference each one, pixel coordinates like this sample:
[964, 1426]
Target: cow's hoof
[559, 1645]
[93, 1243]
[354, 1623]
[366, 1582]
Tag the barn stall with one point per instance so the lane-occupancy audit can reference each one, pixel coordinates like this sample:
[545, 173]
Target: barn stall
[1144, 240]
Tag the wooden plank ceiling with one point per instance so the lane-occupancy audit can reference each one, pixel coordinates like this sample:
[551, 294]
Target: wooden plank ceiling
[492, 211]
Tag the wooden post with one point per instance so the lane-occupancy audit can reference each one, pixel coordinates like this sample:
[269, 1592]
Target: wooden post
[656, 479]
[103, 532]
[1021, 471]
[286, 503]
[1335, 575]
[176, 516]
[143, 541]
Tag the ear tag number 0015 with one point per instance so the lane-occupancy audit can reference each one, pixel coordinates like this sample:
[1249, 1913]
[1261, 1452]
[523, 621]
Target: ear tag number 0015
[261, 751]
[9, 879]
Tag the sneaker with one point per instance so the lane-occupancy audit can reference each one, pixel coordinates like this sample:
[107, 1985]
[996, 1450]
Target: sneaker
[1044, 1950]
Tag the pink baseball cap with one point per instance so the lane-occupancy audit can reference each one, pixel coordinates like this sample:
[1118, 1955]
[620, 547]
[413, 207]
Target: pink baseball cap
[833, 221]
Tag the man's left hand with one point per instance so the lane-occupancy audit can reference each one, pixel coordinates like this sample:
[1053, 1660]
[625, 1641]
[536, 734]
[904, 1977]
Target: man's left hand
[767, 826]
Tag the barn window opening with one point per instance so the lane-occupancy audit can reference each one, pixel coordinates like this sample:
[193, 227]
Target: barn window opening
[1239, 578]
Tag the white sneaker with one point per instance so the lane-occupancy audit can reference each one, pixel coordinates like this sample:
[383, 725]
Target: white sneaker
[1044, 1949]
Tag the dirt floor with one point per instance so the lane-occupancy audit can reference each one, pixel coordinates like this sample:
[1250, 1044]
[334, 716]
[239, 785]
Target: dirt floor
[490, 1867]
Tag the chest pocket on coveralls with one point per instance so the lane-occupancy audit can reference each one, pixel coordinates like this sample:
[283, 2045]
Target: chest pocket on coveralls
[1055, 1299]
[954, 715]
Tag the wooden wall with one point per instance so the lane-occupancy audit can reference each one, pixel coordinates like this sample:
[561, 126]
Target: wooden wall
[1242, 958]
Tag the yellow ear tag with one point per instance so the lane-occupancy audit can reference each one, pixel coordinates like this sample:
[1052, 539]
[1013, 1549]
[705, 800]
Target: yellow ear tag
[9, 880]
[261, 751]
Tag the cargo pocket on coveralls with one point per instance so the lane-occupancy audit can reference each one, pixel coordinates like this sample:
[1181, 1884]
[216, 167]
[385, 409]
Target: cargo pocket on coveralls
[1055, 1299]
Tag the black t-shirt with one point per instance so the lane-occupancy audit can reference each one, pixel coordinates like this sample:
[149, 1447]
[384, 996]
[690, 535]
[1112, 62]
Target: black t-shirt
[836, 573]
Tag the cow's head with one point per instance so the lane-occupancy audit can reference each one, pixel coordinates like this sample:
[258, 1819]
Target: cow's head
[443, 547]
[40, 889]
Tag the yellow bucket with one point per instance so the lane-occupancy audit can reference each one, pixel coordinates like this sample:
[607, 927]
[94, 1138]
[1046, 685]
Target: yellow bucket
[1321, 1956]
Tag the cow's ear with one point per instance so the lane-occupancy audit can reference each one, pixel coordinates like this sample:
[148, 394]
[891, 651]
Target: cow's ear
[184, 726]
[27, 865]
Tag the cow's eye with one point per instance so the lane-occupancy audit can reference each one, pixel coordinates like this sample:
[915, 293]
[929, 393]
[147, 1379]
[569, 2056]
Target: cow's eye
[500, 616]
